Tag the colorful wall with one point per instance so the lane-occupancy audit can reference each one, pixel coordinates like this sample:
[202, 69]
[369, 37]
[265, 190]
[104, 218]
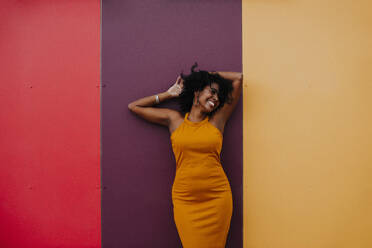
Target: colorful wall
[77, 169]
[145, 46]
[50, 124]
[307, 124]
[80, 170]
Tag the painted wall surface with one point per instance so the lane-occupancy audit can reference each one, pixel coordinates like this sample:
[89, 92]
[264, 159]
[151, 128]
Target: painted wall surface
[145, 45]
[49, 124]
[308, 123]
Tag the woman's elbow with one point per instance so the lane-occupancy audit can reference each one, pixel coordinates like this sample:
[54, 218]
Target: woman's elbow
[237, 83]
[131, 106]
[240, 76]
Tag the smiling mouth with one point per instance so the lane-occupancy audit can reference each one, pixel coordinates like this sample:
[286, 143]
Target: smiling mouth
[211, 103]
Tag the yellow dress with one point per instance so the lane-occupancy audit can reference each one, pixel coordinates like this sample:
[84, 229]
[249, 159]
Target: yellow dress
[201, 193]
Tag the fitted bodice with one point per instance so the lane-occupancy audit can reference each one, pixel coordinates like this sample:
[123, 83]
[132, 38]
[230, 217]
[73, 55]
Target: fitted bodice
[197, 143]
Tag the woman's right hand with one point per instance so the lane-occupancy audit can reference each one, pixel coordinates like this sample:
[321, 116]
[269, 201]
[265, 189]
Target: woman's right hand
[176, 89]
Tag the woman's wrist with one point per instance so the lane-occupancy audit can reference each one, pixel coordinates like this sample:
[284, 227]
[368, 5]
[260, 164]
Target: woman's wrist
[164, 96]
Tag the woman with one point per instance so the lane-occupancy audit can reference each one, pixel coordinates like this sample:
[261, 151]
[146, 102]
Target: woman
[201, 193]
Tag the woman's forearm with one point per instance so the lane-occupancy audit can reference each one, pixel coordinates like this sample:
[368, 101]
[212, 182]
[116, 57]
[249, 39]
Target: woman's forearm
[150, 100]
[236, 81]
[230, 75]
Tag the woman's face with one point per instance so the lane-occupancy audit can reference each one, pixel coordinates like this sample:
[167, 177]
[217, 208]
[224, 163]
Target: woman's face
[208, 97]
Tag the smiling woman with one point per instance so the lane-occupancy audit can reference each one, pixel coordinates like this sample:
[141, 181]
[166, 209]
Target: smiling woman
[201, 192]
[200, 82]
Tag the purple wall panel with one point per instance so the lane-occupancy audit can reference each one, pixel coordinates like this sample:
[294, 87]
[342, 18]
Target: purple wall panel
[145, 45]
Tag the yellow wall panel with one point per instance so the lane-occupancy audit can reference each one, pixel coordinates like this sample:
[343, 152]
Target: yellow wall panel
[307, 123]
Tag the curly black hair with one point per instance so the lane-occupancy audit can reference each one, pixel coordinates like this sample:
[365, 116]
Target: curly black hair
[197, 81]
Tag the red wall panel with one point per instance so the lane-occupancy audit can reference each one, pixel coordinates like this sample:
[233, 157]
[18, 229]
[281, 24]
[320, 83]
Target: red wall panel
[50, 124]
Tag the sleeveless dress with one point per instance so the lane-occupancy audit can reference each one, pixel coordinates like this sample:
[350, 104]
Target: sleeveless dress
[201, 193]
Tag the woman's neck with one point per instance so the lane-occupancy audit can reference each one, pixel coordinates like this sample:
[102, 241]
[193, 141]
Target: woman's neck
[196, 115]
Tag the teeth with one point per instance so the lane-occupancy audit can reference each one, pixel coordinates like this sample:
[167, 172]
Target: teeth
[211, 103]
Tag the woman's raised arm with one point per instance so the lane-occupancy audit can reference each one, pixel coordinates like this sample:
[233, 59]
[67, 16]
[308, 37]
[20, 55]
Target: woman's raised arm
[142, 107]
[224, 113]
